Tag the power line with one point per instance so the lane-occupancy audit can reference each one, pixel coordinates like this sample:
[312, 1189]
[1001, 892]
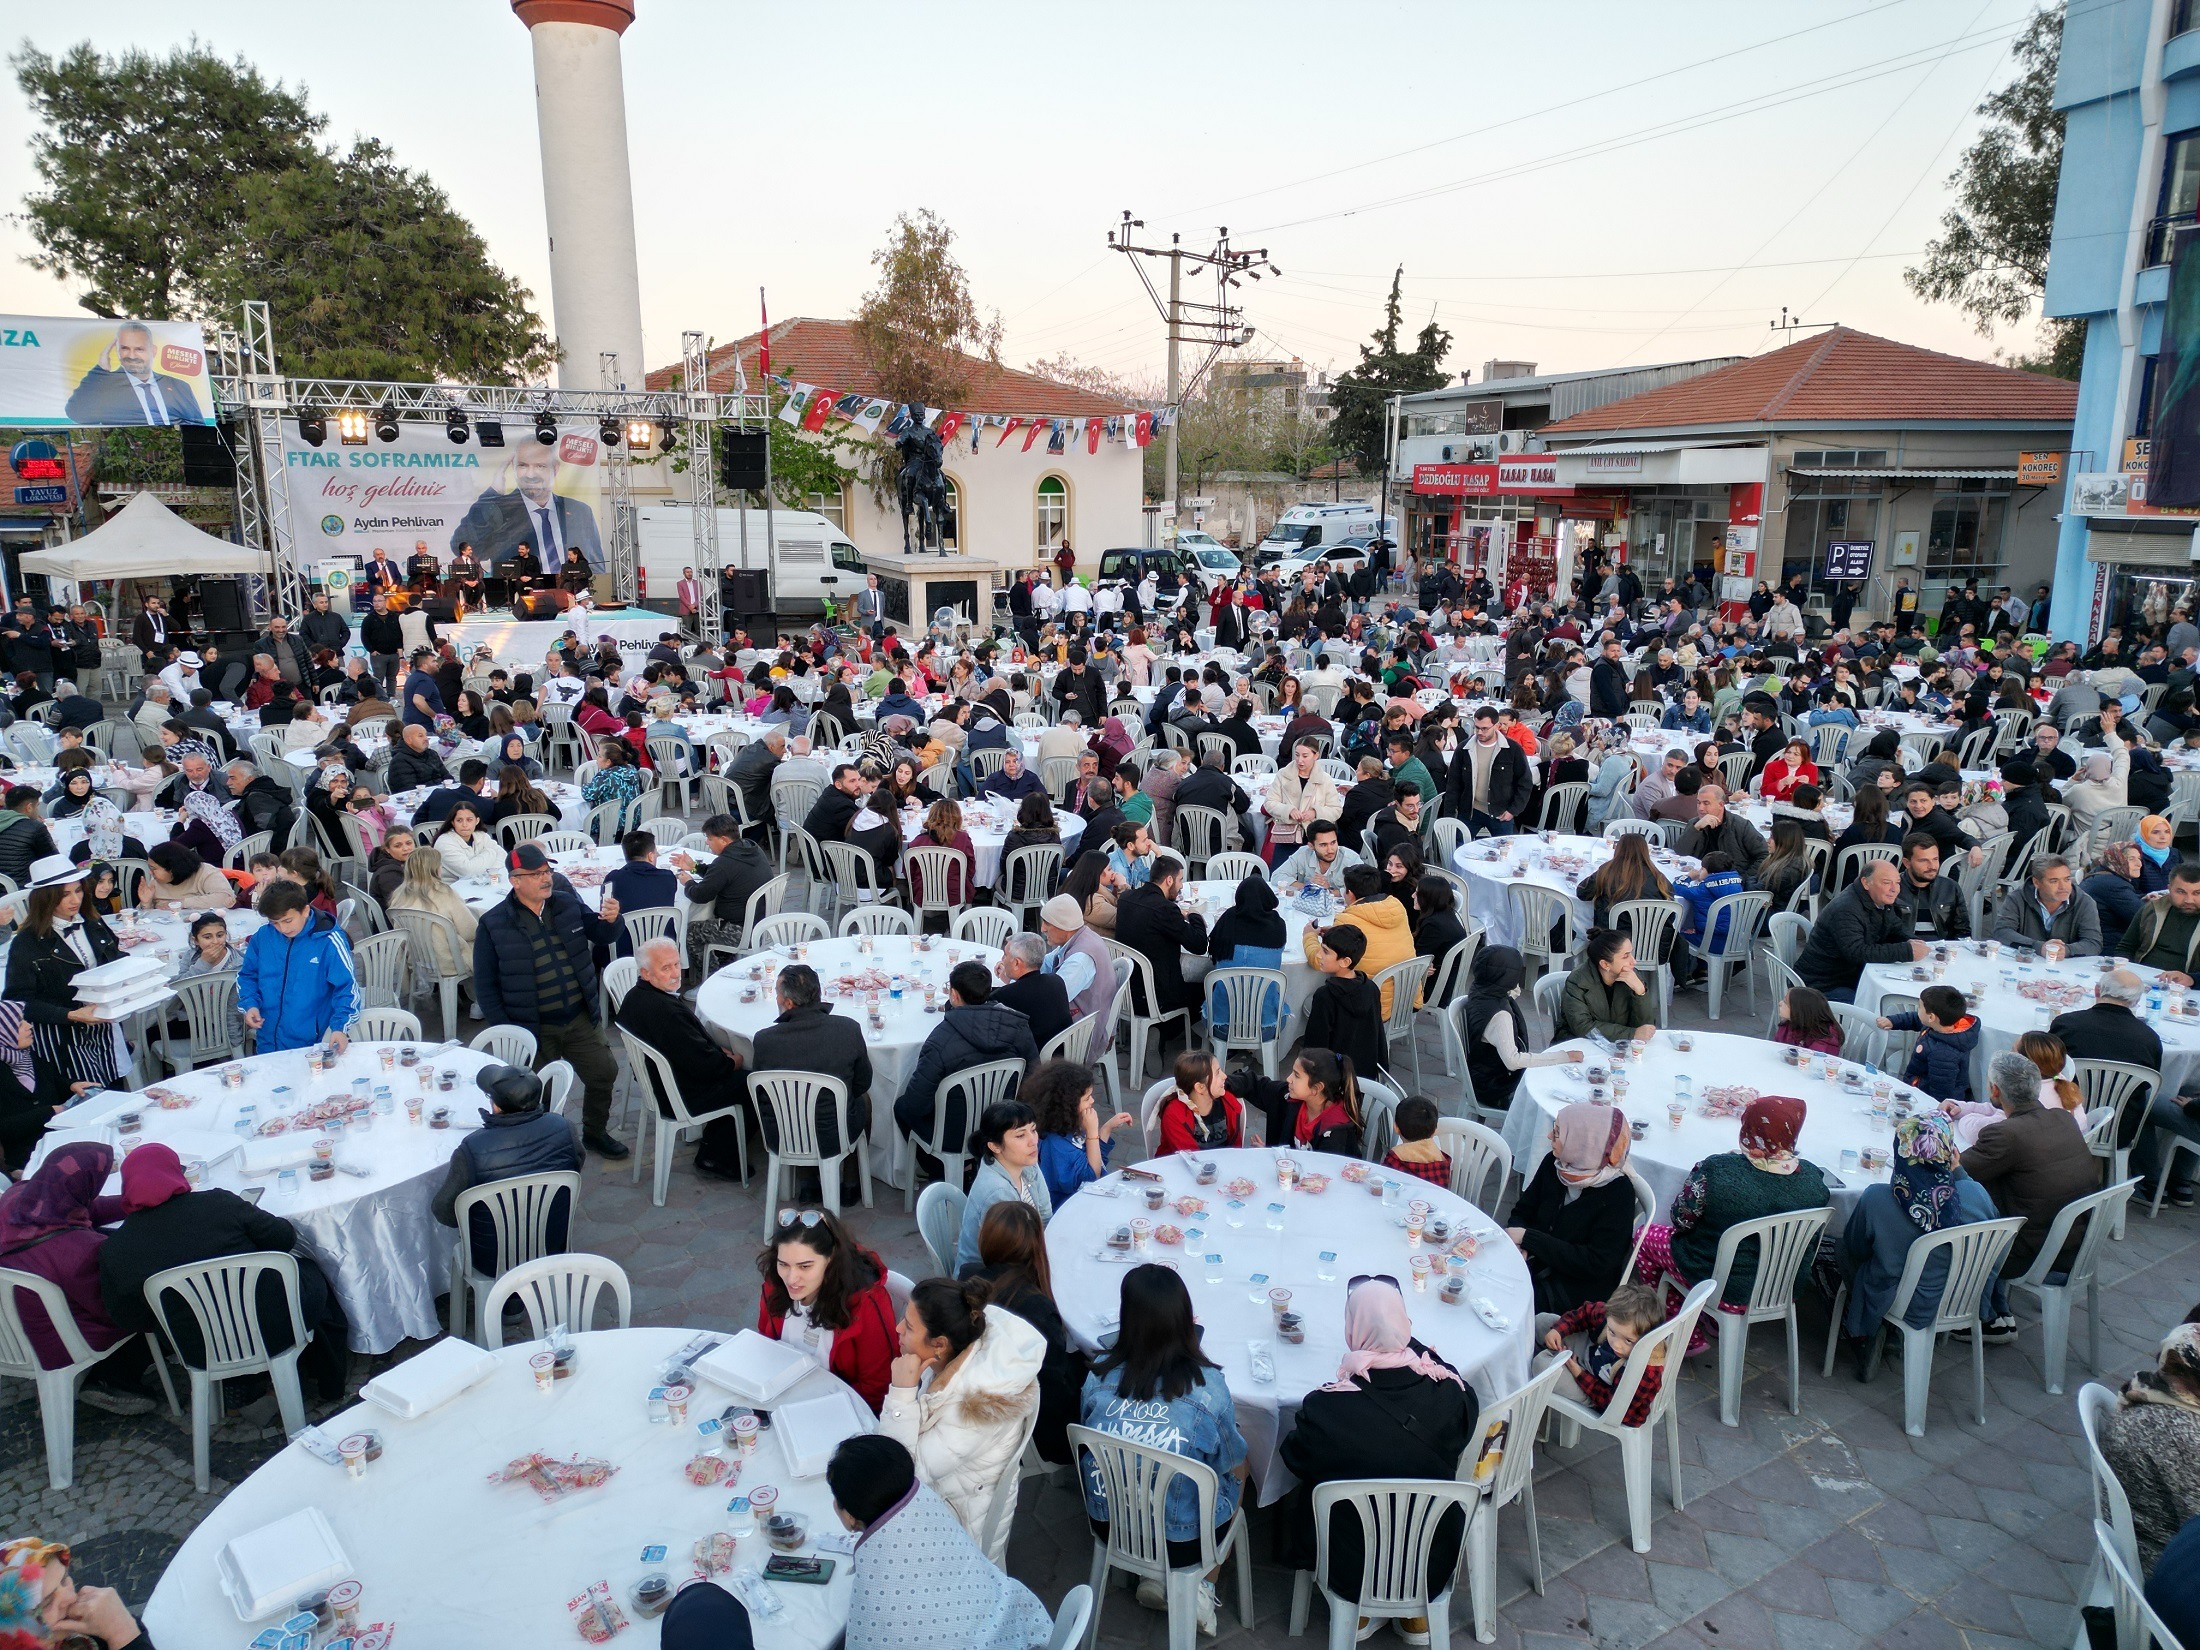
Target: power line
[1603, 274]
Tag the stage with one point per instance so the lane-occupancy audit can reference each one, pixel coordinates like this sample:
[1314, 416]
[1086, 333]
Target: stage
[526, 641]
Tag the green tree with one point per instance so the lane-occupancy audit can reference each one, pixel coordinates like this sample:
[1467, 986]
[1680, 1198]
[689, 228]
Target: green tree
[145, 160]
[919, 327]
[1990, 258]
[1361, 421]
[182, 185]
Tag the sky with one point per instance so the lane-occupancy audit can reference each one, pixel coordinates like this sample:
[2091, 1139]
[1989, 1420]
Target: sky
[1572, 184]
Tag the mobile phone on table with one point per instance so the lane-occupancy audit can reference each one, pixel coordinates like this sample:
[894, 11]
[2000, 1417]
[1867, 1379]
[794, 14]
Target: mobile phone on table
[813, 1572]
[253, 1194]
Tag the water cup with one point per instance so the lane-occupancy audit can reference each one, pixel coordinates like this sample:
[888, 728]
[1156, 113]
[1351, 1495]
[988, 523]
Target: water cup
[1850, 1160]
[286, 1183]
[1214, 1268]
[362, 1091]
[1257, 1284]
[388, 1054]
[1275, 1217]
[544, 1369]
[1325, 1266]
[1233, 1212]
[1420, 1266]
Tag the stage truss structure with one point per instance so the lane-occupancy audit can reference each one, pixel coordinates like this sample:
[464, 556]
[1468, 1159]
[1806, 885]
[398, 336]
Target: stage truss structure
[262, 405]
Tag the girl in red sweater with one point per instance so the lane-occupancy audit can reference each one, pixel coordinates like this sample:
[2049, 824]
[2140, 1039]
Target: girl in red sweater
[1201, 1115]
[826, 1293]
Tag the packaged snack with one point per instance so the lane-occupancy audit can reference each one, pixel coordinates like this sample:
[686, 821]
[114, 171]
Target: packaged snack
[596, 1615]
[1190, 1205]
[714, 1554]
[707, 1471]
[1166, 1233]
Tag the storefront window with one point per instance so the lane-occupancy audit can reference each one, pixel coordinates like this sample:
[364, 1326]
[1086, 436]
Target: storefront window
[1834, 509]
[1965, 542]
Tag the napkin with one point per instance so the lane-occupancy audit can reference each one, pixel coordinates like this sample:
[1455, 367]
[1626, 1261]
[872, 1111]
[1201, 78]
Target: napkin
[430, 1380]
[276, 1151]
[811, 1430]
[755, 1366]
[270, 1568]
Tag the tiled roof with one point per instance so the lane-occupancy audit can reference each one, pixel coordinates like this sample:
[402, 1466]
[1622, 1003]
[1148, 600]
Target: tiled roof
[824, 353]
[1844, 375]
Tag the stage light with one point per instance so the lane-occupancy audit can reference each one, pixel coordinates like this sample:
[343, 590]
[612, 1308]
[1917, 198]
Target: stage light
[454, 426]
[312, 428]
[385, 425]
[351, 425]
[667, 439]
[488, 432]
[546, 429]
[640, 433]
[608, 432]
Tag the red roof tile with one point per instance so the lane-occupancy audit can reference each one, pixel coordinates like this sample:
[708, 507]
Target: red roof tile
[1844, 375]
[824, 353]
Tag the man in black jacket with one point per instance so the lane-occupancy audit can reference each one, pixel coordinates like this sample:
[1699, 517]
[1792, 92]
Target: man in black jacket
[534, 966]
[1936, 906]
[517, 1137]
[1078, 688]
[24, 839]
[1489, 785]
[260, 803]
[1149, 920]
[837, 804]
[707, 1074]
[413, 764]
[1865, 923]
[1608, 683]
[323, 626]
[1039, 998]
[1210, 786]
[973, 1031]
[2111, 1030]
[1719, 829]
[384, 639]
[719, 894]
[809, 1036]
[750, 773]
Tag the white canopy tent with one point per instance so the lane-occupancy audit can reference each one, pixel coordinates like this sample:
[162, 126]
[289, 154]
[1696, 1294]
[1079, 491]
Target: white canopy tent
[143, 540]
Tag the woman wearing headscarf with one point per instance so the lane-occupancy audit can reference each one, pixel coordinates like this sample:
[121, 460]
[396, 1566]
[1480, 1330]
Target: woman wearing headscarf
[1395, 1410]
[40, 1605]
[1575, 1220]
[72, 796]
[1250, 935]
[49, 1227]
[1116, 742]
[207, 828]
[512, 753]
[105, 840]
[1918, 1200]
[31, 1090]
[1497, 1034]
[165, 1223]
[2158, 855]
[1765, 1177]
[2152, 1440]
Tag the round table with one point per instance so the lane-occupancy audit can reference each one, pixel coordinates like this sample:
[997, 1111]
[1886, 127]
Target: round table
[572, 811]
[385, 1253]
[903, 1025]
[585, 868]
[2018, 992]
[987, 821]
[1213, 899]
[1363, 1234]
[168, 933]
[1493, 864]
[398, 1524]
[1838, 1120]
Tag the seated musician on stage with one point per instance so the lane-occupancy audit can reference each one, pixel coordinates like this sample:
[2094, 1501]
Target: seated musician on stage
[424, 573]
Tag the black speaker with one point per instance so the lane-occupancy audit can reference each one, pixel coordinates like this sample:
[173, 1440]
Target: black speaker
[221, 603]
[746, 590]
[746, 466]
[208, 460]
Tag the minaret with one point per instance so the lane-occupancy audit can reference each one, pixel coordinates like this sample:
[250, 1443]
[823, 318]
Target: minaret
[587, 190]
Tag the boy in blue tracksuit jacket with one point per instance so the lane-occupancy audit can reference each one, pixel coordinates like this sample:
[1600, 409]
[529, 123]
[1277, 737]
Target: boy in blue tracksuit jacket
[1940, 1064]
[1699, 894]
[297, 983]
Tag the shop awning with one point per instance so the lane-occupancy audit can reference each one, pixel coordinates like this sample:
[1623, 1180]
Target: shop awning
[1905, 472]
[1648, 446]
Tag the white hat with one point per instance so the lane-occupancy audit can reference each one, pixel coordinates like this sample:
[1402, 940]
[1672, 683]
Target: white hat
[56, 871]
[189, 661]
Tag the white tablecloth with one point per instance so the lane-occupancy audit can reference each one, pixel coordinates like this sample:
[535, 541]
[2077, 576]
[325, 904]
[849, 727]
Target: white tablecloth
[1365, 1236]
[2006, 1011]
[904, 1025]
[480, 893]
[1489, 865]
[171, 932]
[988, 821]
[403, 1525]
[525, 642]
[384, 1252]
[1837, 1120]
[566, 799]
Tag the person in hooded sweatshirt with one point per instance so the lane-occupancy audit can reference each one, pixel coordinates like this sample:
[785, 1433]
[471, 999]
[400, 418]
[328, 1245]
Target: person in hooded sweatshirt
[1940, 1063]
[1381, 918]
[1250, 935]
[1345, 1013]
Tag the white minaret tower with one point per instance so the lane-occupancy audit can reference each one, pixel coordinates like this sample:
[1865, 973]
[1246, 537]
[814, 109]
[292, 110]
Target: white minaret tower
[587, 190]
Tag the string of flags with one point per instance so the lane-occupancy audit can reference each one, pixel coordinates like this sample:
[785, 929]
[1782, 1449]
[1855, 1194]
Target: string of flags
[812, 407]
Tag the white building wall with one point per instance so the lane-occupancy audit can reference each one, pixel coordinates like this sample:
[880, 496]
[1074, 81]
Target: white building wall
[998, 504]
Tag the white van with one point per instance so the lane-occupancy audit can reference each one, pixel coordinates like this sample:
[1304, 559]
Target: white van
[808, 557]
[1305, 527]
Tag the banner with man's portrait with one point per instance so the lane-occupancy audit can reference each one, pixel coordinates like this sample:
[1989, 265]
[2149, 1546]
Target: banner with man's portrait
[57, 371]
[543, 501]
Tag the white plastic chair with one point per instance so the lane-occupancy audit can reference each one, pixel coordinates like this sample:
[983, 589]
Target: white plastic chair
[1403, 981]
[1399, 1519]
[213, 1032]
[56, 1387]
[1000, 1506]
[877, 919]
[655, 922]
[1743, 916]
[1234, 867]
[793, 1097]
[559, 1080]
[789, 928]
[1537, 911]
[1785, 1243]
[433, 939]
[520, 1211]
[1071, 1619]
[385, 1025]
[640, 1057]
[556, 1289]
[514, 1045]
[1974, 1253]
[1247, 996]
[2083, 1274]
[1474, 1151]
[1512, 1425]
[1073, 1042]
[980, 1086]
[1635, 1442]
[2111, 1504]
[939, 880]
[1135, 1481]
[1147, 1025]
[222, 1297]
[939, 1223]
[2114, 1086]
[382, 963]
[983, 925]
[2138, 1627]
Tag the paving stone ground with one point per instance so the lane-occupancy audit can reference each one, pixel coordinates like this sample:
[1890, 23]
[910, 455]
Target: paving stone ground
[1819, 1530]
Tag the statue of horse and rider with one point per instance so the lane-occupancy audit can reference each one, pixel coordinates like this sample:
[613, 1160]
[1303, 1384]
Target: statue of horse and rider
[922, 485]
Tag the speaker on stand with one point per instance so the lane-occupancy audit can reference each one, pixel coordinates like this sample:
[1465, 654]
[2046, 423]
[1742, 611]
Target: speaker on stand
[222, 604]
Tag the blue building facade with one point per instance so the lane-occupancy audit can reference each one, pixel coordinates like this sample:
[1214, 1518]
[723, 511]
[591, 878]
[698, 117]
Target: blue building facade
[2129, 89]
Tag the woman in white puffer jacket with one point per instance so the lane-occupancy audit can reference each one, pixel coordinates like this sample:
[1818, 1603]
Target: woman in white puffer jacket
[963, 1392]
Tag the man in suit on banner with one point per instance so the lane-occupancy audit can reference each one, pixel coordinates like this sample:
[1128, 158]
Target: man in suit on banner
[123, 388]
[534, 512]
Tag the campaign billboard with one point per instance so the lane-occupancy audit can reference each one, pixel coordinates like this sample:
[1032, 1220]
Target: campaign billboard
[423, 489]
[58, 371]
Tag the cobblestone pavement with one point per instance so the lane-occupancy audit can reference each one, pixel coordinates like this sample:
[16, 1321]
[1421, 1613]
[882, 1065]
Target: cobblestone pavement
[1812, 1531]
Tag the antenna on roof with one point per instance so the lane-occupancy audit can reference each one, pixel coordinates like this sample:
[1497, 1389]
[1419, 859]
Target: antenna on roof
[1789, 324]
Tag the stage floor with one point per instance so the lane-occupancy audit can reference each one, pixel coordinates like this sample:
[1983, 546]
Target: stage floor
[525, 641]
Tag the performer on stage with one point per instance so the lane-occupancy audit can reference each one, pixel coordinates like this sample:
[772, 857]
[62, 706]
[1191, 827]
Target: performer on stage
[424, 573]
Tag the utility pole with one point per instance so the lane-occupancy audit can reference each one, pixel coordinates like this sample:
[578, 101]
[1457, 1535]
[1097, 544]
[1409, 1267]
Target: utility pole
[1219, 325]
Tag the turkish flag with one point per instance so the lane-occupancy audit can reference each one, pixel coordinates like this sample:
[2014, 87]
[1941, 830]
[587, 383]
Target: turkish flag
[1143, 429]
[1032, 434]
[949, 423]
[1092, 435]
[819, 410]
[1009, 429]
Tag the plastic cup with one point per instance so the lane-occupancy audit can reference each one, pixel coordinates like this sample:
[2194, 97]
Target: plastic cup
[1214, 1267]
[412, 1108]
[1275, 1217]
[676, 1403]
[1142, 1233]
[354, 1452]
[1325, 1266]
[745, 1434]
[1233, 1212]
[388, 1053]
[1674, 1112]
[544, 1368]
[1279, 1301]
[1419, 1265]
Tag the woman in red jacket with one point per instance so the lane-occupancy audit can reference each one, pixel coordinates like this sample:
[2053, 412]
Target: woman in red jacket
[826, 1293]
[1792, 767]
[1201, 1115]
